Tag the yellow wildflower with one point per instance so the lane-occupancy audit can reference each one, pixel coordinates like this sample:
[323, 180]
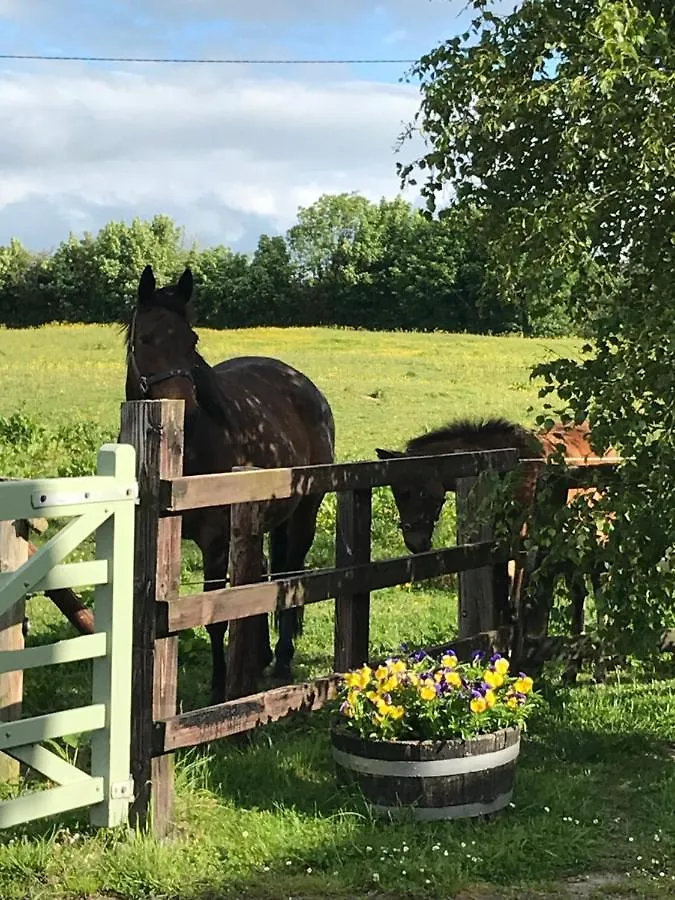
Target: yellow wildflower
[523, 685]
[397, 666]
[427, 692]
[381, 673]
[490, 698]
[449, 661]
[502, 666]
[478, 705]
[454, 679]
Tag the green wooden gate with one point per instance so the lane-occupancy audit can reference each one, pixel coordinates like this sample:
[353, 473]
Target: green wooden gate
[103, 503]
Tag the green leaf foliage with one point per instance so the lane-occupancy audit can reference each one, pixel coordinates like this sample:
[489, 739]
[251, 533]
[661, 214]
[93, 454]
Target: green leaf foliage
[557, 122]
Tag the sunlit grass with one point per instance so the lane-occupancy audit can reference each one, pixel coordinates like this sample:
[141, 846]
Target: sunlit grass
[595, 789]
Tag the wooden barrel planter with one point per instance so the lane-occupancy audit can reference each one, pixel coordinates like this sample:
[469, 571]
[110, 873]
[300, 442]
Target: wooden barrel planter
[430, 779]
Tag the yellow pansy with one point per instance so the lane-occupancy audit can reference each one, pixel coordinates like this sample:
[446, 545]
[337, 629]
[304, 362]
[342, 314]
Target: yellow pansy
[353, 680]
[389, 685]
[413, 679]
[449, 661]
[352, 698]
[427, 692]
[493, 679]
[523, 684]
[372, 695]
[478, 705]
[490, 698]
[502, 666]
[381, 673]
[454, 679]
[365, 674]
[396, 712]
[512, 702]
[397, 666]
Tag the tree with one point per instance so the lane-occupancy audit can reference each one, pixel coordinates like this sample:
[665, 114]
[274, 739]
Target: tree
[272, 286]
[220, 275]
[26, 297]
[558, 121]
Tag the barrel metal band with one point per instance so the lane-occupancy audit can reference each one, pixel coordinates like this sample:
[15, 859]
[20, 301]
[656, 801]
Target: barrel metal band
[432, 813]
[432, 767]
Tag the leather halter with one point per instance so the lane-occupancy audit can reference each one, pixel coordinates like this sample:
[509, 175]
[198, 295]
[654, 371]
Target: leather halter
[145, 382]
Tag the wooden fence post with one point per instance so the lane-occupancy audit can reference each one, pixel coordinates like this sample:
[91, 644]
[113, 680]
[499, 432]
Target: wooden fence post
[246, 567]
[155, 429]
[352, 607]
[13, 554]
[482, 593]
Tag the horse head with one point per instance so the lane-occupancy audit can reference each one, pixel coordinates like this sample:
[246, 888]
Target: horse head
[419, 500]
[161, 345]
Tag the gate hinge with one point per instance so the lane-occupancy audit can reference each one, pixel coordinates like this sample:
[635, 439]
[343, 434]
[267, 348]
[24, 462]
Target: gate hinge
[122, 790]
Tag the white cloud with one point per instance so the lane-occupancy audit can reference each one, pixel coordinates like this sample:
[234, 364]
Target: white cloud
[208, 146]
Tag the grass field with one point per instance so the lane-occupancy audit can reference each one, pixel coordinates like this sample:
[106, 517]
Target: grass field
[596, 785]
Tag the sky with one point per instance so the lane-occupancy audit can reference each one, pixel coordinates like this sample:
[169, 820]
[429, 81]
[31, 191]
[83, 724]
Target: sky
[229, 152]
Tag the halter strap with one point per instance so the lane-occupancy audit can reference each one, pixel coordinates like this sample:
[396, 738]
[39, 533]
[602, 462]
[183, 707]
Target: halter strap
[145, 382]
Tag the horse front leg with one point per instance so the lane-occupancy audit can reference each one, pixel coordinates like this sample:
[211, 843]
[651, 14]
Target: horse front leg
[216, 557]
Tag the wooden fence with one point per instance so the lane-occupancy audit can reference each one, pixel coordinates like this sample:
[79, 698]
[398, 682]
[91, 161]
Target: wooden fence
[154, 428]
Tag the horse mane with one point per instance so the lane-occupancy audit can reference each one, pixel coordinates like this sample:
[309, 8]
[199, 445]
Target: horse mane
[476, 434]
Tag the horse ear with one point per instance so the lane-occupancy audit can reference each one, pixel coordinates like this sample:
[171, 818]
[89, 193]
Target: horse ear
[146, 286]
[388, 454]
[185, 285]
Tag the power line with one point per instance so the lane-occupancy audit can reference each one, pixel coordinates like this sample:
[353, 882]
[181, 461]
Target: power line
[207, 61]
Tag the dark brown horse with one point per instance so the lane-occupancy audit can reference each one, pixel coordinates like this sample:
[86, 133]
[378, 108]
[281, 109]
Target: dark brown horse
[420, 499]
[250, 410]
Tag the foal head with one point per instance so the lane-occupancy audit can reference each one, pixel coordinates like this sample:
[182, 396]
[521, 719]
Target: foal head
[419, 500]
[161, 345]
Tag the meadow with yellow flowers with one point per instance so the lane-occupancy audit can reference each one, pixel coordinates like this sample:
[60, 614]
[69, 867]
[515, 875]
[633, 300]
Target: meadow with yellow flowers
[593, 812]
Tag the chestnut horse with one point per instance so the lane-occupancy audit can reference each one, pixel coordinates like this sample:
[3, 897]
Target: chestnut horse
[420, 499]
[246, 411]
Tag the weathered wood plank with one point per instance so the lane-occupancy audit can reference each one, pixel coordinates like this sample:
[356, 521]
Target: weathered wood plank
[227, 604]
[352, 607]
[198, 491]
[13, 554]
[236, 716]
[155, 429]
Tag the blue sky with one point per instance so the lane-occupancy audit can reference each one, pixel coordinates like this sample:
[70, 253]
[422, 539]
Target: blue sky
[228, 151]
